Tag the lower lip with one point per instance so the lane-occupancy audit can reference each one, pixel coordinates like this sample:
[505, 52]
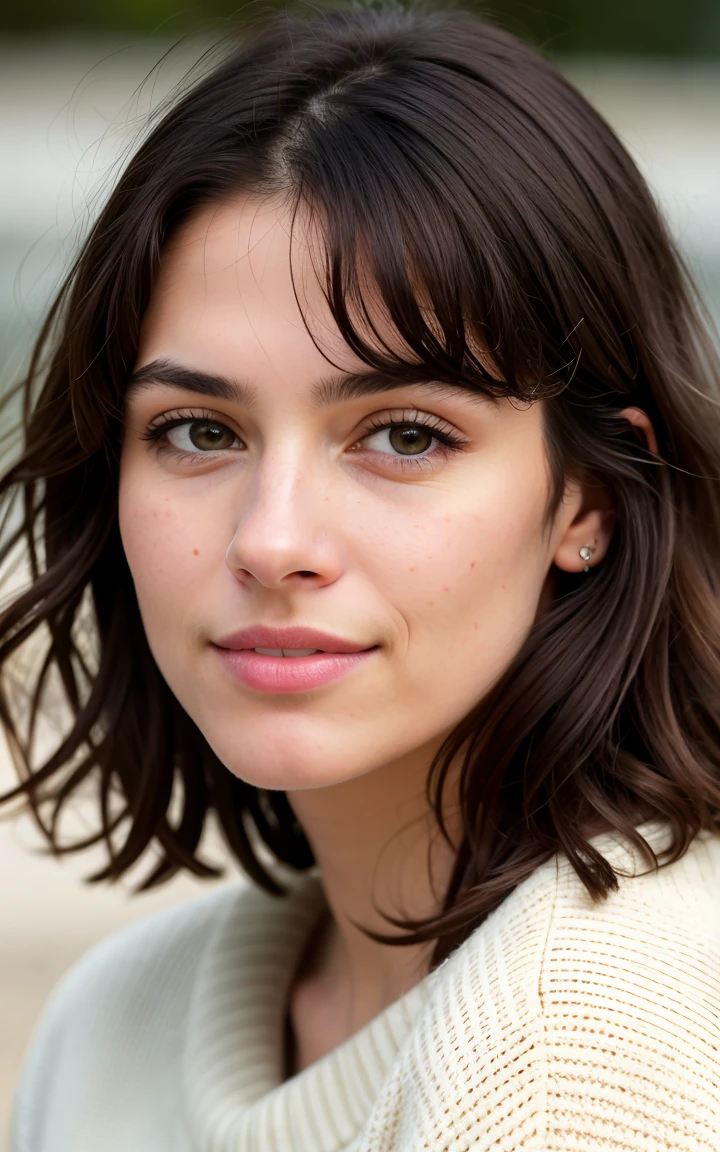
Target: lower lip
[282, 674]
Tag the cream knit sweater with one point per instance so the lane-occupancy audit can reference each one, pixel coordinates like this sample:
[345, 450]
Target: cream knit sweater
[559, 1024]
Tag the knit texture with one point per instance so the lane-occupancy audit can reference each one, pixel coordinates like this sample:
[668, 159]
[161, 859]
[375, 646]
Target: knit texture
[558, 1026]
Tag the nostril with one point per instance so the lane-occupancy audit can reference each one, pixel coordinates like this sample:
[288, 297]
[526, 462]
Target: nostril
[307, 573]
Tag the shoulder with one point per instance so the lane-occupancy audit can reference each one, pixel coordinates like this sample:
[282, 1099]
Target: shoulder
[652, 947]
[630, 994]
[117, 1017]
[565, 1024]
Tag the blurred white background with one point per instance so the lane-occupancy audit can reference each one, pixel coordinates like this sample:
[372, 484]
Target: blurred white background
[68, 108]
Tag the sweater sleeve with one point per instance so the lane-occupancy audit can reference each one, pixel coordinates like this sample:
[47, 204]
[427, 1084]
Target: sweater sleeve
[569, 1026]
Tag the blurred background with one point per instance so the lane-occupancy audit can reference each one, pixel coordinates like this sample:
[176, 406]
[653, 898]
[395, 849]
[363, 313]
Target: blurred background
[77, 82]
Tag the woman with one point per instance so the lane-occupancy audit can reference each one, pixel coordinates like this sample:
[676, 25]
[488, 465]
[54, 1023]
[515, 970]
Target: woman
[370, 493]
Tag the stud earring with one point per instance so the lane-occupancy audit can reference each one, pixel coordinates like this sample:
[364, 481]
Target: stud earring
[585, 554]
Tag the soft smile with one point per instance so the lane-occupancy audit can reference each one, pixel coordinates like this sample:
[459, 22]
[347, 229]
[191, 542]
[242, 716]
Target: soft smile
[292, 659]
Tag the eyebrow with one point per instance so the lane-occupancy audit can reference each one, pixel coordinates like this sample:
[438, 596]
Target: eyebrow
[174, 375]
[351, 385]
[332, 390]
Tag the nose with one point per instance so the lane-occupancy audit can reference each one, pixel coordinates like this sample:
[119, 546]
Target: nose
[284, 535]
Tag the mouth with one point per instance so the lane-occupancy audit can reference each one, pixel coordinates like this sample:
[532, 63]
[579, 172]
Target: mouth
[296, 659]
[287, 652]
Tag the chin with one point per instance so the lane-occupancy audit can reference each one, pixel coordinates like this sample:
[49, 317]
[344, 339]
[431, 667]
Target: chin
[290, 772]
[284, 756]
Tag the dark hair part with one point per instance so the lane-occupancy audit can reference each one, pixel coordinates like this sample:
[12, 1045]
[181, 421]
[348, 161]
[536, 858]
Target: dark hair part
[498, 216]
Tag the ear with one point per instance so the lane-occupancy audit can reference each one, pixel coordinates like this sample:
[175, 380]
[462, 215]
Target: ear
[590, 528]
[643, 428]
[594, 512]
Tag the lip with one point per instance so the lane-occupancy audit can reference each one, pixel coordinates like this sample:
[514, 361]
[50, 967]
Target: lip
[280, 674]
[264, 636]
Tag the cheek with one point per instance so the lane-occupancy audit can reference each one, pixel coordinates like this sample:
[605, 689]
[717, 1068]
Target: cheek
[169, 551]
[466, 579]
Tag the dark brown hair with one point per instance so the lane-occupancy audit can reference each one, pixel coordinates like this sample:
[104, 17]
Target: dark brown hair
[495, 210]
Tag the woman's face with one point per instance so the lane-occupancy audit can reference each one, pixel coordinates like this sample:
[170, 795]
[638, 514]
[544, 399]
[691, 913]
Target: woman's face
[269, 500]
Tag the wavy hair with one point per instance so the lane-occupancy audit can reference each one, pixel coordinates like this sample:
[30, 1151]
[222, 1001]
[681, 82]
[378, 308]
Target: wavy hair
[497, 214]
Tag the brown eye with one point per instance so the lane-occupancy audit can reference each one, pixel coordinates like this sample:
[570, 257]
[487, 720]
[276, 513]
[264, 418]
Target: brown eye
[201, 436]
[210, 437]
[410, 439]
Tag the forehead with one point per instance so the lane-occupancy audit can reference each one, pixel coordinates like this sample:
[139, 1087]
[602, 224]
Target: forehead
[237, 287]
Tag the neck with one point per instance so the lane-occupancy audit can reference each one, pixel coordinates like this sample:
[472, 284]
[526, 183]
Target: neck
[379, 850]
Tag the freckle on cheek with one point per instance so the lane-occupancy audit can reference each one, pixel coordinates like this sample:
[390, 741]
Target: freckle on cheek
[412, 569]
[476, 625]
[473, 564]
[196, 552]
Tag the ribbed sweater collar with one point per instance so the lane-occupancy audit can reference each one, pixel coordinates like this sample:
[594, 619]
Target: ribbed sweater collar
[235, 1096]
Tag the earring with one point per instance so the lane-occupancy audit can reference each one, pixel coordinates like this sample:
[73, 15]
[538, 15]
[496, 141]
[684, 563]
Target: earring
[585, 554]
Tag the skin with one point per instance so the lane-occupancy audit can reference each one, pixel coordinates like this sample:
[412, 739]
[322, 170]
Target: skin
[308, 516]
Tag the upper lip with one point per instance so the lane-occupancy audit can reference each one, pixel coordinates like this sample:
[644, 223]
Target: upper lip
[294, 638]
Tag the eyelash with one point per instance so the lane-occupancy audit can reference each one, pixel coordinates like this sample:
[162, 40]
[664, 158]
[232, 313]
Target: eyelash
[450, 440]
[163, 424]
[441, 431]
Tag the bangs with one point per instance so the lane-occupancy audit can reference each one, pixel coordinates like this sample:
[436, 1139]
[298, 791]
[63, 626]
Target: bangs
[422, 267]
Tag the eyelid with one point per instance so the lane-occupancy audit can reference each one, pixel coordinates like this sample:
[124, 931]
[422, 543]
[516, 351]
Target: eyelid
[187, 415]
[445, 432]
[175, 418]
[157, 434]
